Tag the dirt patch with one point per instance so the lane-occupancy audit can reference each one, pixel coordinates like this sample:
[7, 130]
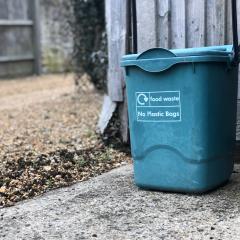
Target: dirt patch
[9, 87]
[48, 137]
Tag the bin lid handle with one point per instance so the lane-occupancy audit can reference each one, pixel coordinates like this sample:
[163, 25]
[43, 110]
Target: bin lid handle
[156, 53]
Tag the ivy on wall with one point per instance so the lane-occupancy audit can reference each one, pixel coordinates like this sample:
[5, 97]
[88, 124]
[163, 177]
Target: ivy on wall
[90, 41]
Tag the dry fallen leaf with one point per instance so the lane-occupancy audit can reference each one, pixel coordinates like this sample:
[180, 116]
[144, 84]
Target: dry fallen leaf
[47, 168]
[2, 189]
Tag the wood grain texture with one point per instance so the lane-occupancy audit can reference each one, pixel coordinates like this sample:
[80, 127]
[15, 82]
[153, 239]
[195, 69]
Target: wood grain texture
[172, 24]
[36, 36]
[108, 109]
[16, 23]
[228, 32]
[3, 9]
[16, 41]
[195, 15]
[116, 30]
[184, 23]
[216, 22]
[123, 113]
[13, 69]
[116, 27]
[18, 9]
[178, 24]
[147, 24]
[16, 37]
[238, 9]
[164, 13]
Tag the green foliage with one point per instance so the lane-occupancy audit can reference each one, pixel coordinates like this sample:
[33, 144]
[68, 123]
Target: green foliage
[90, 43]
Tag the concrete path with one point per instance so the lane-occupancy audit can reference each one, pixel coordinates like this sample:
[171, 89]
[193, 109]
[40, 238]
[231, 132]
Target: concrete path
[110, 207]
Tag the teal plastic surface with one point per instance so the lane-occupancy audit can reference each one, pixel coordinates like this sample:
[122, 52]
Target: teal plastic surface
[182, 116]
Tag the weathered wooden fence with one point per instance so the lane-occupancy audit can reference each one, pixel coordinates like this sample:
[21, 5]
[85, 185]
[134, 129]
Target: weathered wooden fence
[19, 38]
[184, 23]
[163, 23]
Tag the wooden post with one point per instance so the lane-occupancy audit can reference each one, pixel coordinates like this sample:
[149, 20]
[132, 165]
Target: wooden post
[116, 12]
[36, 36]
[116, 25]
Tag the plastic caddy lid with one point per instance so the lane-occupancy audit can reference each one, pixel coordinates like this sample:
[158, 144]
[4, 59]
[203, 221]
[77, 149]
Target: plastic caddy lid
[160, 59]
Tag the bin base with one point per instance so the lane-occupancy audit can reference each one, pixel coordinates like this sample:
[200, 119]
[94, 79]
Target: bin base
[166, 171]
[184, 191]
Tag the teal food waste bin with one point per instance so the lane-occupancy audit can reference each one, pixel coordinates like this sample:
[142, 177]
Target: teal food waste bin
[182, 114]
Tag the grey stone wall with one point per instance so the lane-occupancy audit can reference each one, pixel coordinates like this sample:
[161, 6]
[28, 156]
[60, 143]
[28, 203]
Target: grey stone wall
[56, 37]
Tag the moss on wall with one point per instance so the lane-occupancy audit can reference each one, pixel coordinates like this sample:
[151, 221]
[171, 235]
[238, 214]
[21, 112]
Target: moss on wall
[90, 42]
[56, 36]
[55, 60]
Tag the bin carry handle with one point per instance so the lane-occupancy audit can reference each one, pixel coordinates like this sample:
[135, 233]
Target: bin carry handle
[132, 29]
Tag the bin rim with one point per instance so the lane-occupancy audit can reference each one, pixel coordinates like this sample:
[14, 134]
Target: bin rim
[156, 59]
[211, 50]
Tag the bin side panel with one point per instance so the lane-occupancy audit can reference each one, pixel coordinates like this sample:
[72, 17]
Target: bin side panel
[183, 118]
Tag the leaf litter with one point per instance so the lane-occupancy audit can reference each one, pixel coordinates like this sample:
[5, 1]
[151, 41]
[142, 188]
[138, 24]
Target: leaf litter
[52, 143]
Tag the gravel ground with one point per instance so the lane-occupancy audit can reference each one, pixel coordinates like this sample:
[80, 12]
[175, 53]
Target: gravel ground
[112, 207]
[48, 137]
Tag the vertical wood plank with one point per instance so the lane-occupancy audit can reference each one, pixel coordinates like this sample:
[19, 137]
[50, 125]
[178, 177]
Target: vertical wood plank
[164, 23]
[108, 108]
[116, 30]
[169, 24]
[3, 9]
[123, 113]
[230, 40]
[147, 24]
[229, 37]
[16, 41]
[116, 27]
[36, 36]
[195, 23]
[238, 10]
[216, 22]
[178, 24]
[17, 9]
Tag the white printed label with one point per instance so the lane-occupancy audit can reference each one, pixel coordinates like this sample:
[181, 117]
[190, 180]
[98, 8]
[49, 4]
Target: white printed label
[162, 106]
